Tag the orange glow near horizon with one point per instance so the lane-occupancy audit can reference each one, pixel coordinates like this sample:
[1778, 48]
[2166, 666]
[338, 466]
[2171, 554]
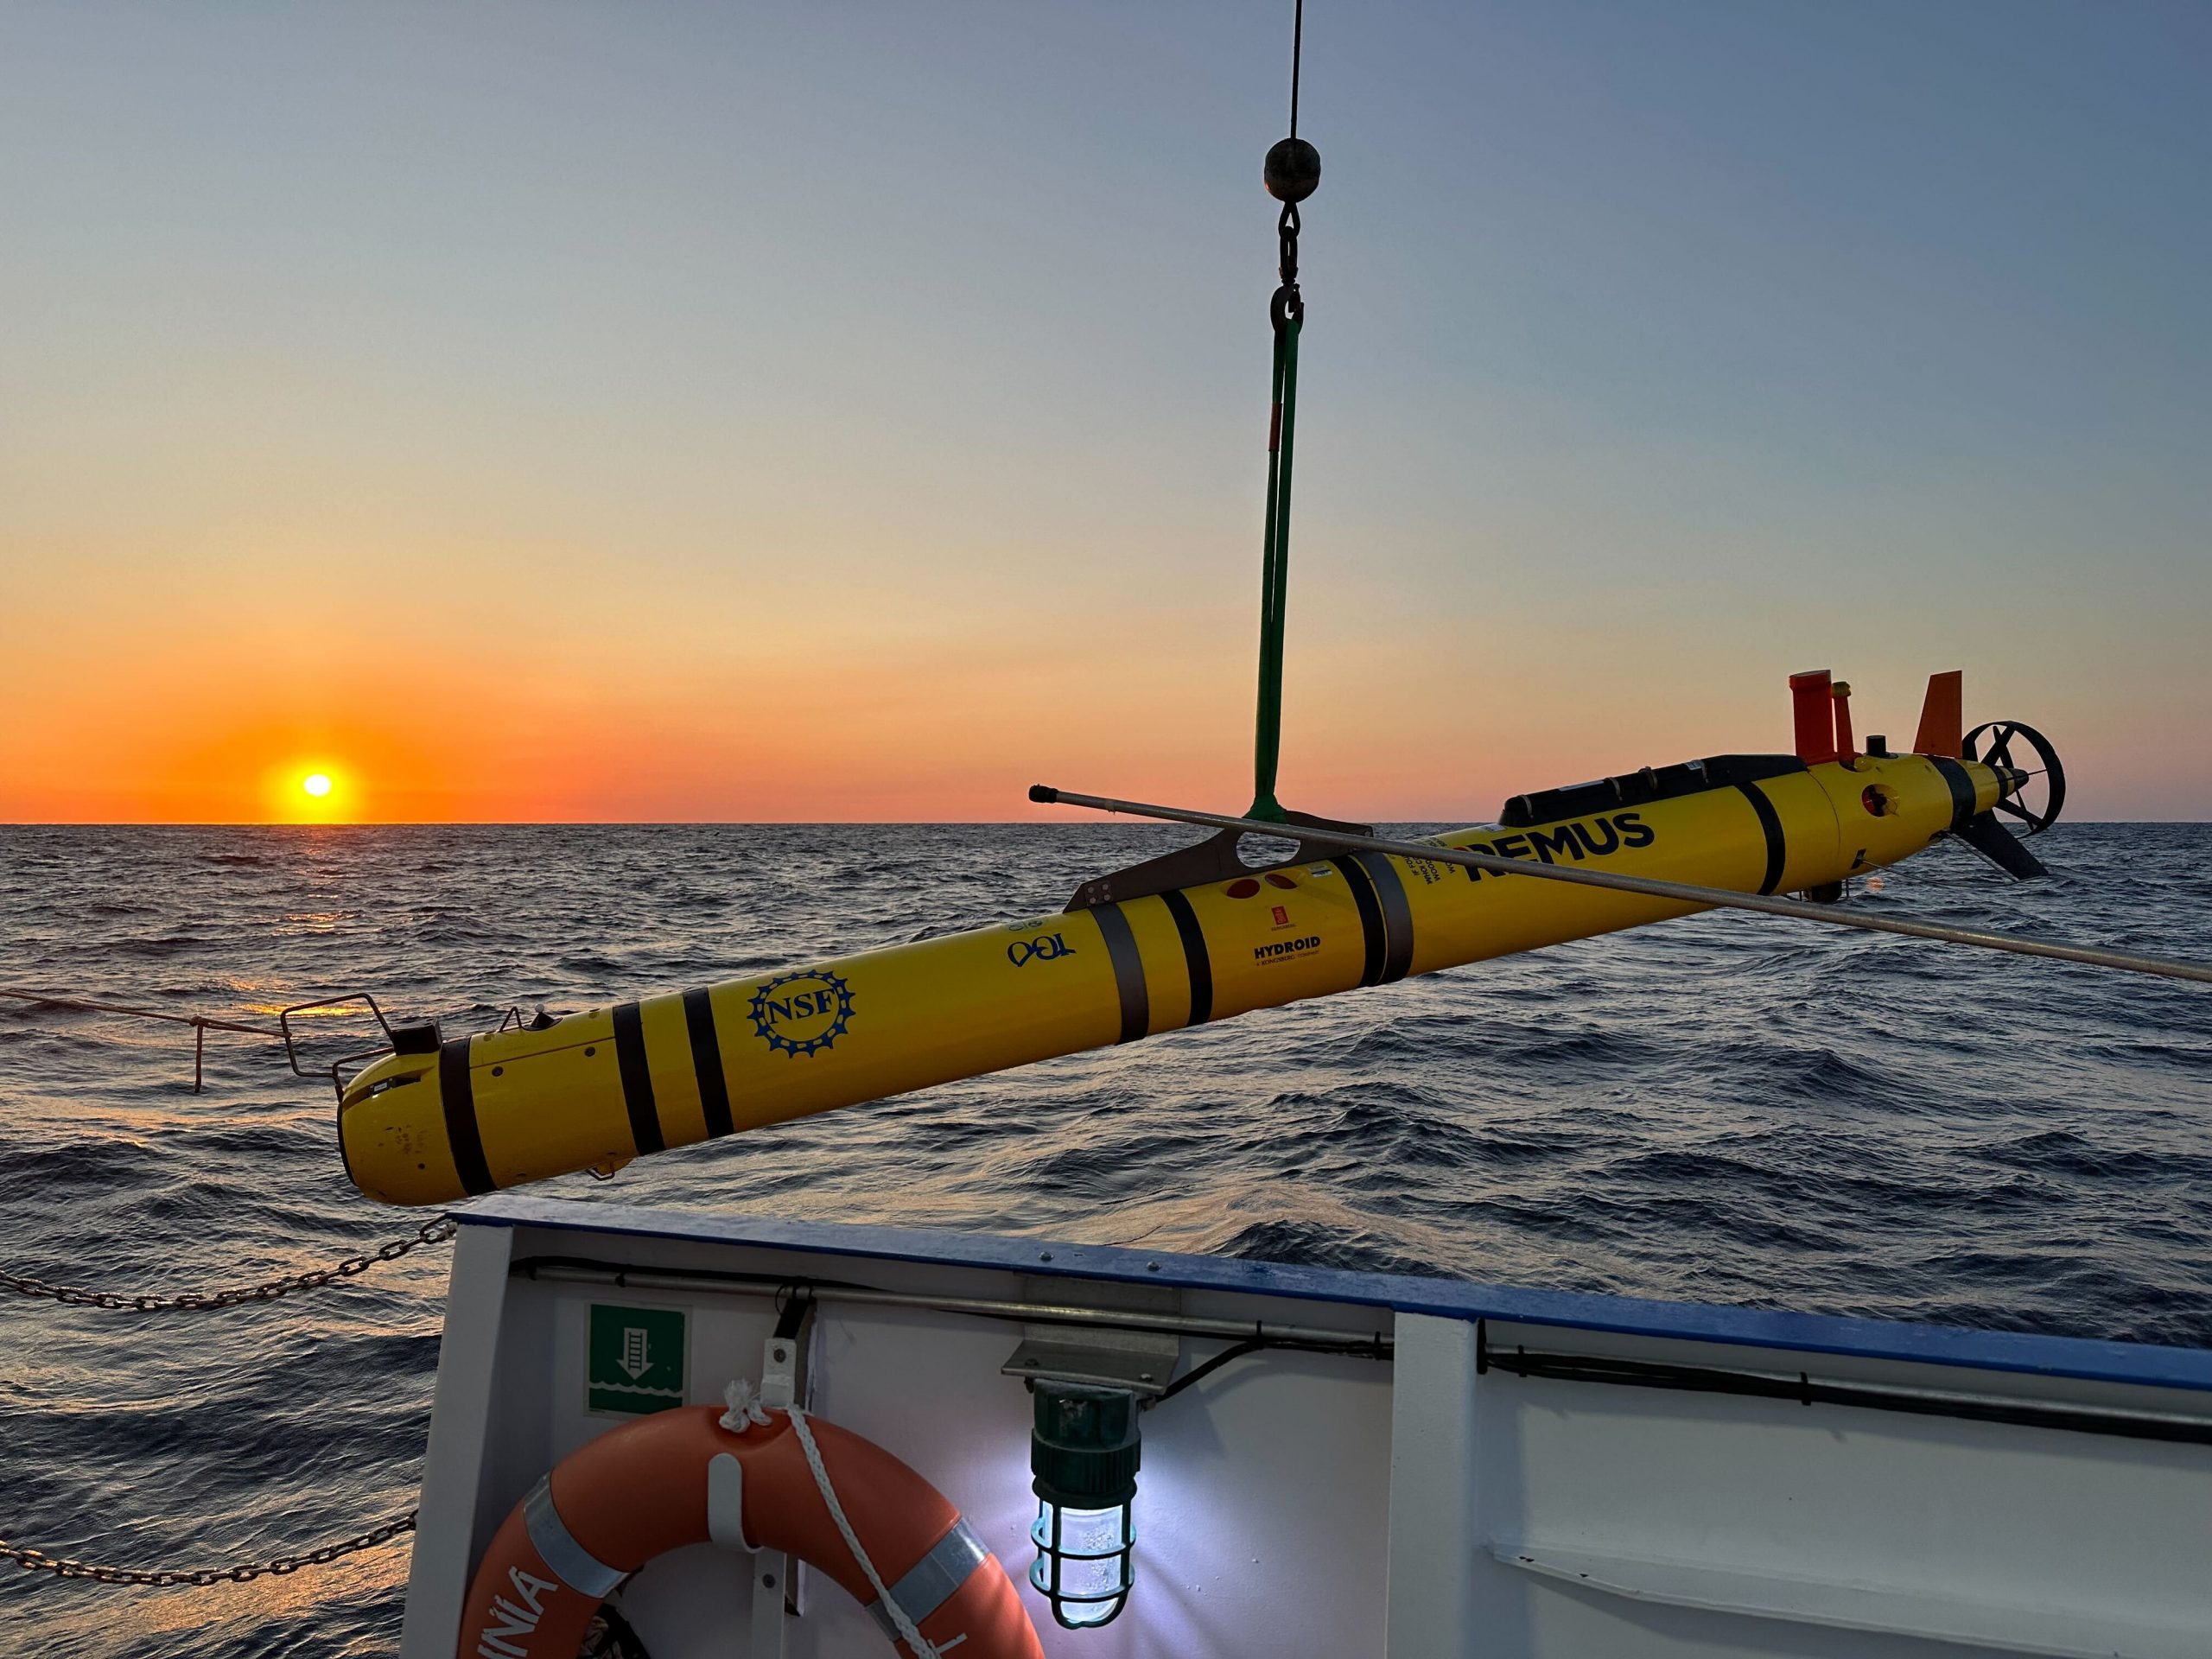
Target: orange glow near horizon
[401, 427]
[731, 718]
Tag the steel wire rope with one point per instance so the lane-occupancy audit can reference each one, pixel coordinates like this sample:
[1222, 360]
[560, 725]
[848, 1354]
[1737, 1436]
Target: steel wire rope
[1678, 891]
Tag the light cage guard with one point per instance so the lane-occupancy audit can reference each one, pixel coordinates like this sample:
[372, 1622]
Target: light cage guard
[1084, 1452]
[1084, 1566]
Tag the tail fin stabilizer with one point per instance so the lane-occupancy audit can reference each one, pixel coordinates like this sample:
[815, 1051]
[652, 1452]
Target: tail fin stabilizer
[1999, 845]
[1942, 716]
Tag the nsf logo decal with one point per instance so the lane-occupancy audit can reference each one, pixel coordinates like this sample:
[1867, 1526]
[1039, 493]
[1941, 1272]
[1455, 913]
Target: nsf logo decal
[802, 1013]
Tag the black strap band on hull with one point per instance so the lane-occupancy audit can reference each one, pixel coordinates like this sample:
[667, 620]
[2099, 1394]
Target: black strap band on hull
[1397, 915]
[1777, 849]
[1128, 971]
[457, 1094]
[1962, 788]
[1194, 955]
[707, 1062]
[1376, 936]
[637, 1078]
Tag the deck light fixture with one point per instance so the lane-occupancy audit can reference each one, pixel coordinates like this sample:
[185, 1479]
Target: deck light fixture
[1083, 1452]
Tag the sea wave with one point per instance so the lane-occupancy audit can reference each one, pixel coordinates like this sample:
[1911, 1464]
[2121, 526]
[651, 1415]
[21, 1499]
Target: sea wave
[1722, 1108]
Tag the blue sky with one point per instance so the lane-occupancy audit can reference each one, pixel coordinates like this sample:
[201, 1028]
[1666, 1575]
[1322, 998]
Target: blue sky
[856, 410]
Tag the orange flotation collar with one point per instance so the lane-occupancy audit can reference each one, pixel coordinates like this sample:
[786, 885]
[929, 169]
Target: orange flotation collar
[680, 1477]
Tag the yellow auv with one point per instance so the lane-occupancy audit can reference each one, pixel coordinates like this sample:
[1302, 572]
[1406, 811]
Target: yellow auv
[471, 1114]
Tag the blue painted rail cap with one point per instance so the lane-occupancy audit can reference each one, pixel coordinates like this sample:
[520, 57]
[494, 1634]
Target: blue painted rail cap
[2141, 1364]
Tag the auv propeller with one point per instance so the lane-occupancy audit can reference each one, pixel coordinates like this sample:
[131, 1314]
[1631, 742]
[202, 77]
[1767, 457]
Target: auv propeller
[2033, 797]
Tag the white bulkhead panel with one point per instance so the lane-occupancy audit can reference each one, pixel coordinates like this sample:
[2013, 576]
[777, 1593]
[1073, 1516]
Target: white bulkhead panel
[1529, 1475]
[1638, 1523]
[1261, 1504]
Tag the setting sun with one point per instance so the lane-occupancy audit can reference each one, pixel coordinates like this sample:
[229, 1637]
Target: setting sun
[310, 786]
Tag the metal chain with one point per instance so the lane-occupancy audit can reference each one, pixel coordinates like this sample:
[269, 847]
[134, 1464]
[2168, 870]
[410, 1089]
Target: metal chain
[37, 1561]
[62, 1566]
[431, 1232]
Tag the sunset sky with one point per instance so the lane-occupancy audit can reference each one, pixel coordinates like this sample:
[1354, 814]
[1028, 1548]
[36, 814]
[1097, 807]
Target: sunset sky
[826, 411]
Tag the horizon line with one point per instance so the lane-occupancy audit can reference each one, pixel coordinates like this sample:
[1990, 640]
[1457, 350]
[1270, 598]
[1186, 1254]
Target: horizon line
[759, 823]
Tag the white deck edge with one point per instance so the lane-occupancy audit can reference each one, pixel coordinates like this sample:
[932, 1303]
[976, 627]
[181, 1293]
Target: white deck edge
[460, 1424]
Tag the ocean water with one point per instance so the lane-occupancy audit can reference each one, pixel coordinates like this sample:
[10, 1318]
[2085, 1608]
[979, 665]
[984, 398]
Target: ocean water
[1727, 1109]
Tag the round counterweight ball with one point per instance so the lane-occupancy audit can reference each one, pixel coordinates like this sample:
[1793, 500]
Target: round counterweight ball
[1293, 171]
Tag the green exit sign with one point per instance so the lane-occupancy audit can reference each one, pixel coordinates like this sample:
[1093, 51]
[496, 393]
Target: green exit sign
[635, 1362]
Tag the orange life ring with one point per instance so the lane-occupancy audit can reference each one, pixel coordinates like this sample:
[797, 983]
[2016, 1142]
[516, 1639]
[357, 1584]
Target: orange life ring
[678, 1478]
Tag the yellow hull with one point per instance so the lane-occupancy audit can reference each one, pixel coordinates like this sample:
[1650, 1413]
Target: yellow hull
[599, 1087]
